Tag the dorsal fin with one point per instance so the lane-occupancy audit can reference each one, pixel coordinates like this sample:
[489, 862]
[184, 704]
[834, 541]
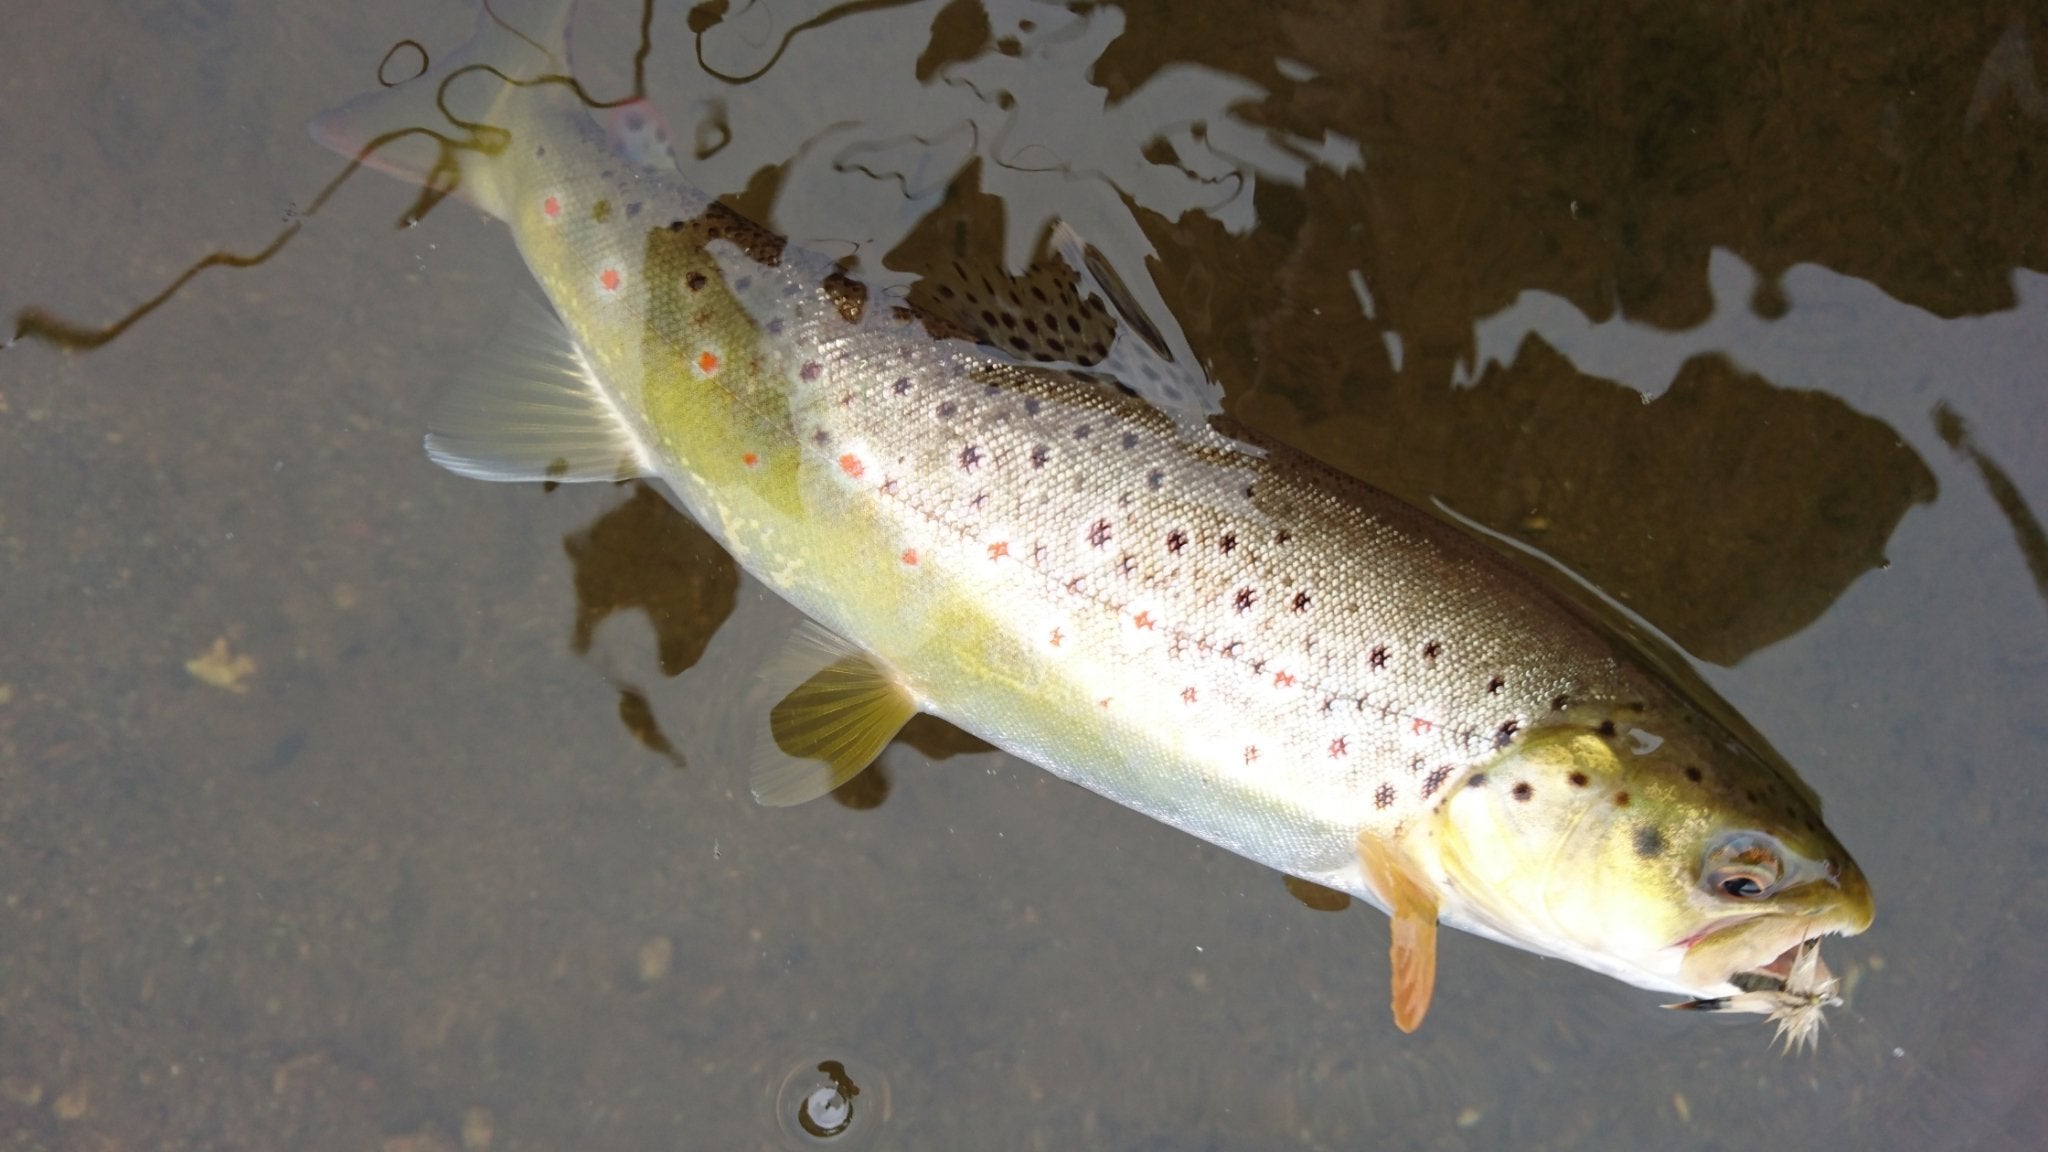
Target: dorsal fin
[1140, 358]
[1038, 317]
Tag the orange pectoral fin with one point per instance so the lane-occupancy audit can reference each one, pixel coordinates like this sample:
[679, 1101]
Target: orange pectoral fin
[1411, 900]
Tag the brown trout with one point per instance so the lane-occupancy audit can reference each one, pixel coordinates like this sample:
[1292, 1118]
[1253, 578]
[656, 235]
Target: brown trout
[1212, 629]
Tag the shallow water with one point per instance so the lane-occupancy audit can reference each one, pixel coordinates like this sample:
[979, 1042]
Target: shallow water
[407, 880]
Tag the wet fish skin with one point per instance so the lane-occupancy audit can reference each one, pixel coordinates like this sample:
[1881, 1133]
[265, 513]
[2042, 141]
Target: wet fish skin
[1212, 629]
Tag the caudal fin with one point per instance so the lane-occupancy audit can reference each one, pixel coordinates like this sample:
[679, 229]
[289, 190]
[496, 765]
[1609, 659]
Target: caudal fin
[436, 130]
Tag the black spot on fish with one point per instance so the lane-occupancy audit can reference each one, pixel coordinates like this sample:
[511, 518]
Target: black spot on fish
[601, 211]
[1228, 542]
[1081, 433]
[1243, 600]
[969, 457]
[1476, 780]
[1039, 455]
[1505, 734]
[1176, 540]
[1434, 781]
[1032, 405]
[1495, 684]
[1607, 727]
[1578, 779]
[1378, 656]
[1130, 440]
[1649, 842]
[1559, 703]
[633, 209]
[1522, 791]
[1692, 774]
[902, 386]
[1282, 536]
[1301, 601]
[821, 438]
[946, 410]
[1621, 799]
[1383, 796]
[1155, 479]
[1098, 533]
[1432, 650]
[695, 281]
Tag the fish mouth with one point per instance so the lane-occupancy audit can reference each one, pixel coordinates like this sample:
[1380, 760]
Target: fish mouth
[1771, 977]
[1754, 953]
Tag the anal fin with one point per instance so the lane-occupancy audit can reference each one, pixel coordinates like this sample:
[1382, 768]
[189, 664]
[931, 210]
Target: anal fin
[532, 409]
[1411, 901]
[830, 726]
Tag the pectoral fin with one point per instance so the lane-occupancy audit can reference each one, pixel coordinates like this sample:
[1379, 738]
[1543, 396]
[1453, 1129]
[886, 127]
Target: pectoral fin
[1411, 901]
[831, 725]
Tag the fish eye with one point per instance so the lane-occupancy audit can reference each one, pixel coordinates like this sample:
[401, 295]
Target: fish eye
[1740, 883]
[1743, 867]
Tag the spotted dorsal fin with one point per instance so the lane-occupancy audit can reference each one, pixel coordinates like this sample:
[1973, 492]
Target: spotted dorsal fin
[1141, 358]
[1036, 317]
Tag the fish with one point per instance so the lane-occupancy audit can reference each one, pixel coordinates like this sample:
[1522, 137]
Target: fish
[998, 517]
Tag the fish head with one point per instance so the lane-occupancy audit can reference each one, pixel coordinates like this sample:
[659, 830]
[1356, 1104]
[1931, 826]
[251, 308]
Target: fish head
[1657, 849]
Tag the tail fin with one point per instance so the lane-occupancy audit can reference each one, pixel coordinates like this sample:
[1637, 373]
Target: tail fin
[435, 130]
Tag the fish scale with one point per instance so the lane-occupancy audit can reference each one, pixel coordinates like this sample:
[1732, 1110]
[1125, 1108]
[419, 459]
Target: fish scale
[1199, 623]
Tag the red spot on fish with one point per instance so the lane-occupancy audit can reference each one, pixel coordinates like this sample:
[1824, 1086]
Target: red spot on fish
[910, 557]
[999, 549]
[750, 459]
[610, 279]
[707, 362]
[1103, 703]
[851, 465]
[1338, 749]
[1187, 694]
[1056, 637]
[1142, 620]
[552, 207]
[1421, 727]
[1283, 680]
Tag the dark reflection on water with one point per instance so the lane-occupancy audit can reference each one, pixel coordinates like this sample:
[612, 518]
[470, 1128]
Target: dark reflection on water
[412, 887]
[2026, 527]
[644, 556]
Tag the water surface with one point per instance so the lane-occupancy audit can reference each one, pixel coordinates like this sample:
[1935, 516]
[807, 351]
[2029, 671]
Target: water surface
[412, 875]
